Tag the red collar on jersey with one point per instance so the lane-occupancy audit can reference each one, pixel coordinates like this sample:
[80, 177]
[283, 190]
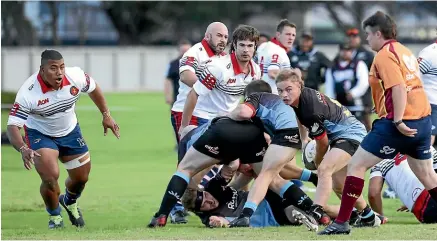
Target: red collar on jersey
[46, 89]
[236, 66]
[276, 41]
[388, 42]
[208, 49]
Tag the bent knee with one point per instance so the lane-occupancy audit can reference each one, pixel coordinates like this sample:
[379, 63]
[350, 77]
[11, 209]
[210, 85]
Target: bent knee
[50, 183]
[325, 170]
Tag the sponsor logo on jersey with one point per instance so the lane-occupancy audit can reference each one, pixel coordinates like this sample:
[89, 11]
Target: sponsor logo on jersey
[43, 102]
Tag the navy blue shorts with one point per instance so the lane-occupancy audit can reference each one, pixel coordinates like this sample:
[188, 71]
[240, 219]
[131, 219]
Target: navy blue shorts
[71, 144]
[385, 141]
[434, 119]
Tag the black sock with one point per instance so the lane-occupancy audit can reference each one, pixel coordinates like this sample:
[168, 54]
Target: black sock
[314, 178]
[247, 212]
[175, 189]
[293, 195]
[367, 213]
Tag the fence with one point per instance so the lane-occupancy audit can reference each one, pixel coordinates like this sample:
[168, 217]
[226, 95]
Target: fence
[116, 69]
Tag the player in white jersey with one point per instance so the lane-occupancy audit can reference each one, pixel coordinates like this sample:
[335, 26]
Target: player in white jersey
[272, 56]
[397, 173]
[222, 81]
[428, 68]
[44, 106]
[211, 47]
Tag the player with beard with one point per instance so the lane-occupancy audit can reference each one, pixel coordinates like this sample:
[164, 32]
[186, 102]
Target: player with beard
[211, 47]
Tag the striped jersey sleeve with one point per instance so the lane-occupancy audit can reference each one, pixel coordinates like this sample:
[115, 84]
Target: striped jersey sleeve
[19, 111]
[189, 61]
[208, 76]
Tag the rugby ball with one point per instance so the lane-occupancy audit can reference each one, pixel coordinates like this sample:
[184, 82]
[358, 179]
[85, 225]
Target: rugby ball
[308, 155]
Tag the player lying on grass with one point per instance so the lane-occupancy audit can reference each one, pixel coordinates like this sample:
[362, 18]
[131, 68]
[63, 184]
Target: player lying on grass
[330, 124]
[44, 106]
[397, 173]
[279, 121]
[219, 204]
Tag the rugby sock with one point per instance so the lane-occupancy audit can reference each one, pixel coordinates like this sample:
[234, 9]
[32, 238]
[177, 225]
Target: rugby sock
[248, 209]
[54, 212]
[433, 193]
[353, 187]
[70, 197]
[367, 213]
[175, 189]
[293, 195]
[310, 176]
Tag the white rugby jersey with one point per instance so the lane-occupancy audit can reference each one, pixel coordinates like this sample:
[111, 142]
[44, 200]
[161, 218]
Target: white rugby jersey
[272, 55]
[49, 111]
[221, 85]
[198, 54]
[401, 178]
[428, 68]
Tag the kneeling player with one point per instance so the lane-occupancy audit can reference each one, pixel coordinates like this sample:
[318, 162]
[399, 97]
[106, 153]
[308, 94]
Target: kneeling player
[45, 107]
[219, 204]
[397, 173]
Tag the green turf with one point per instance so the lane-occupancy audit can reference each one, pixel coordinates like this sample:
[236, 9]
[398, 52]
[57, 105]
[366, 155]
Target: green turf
[128, 179]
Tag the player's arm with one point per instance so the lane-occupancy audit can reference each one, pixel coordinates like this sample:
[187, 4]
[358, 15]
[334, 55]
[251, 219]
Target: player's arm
[240, 181]
[424, 64]
[376, 184]
[188, 65]
[203, 86]
[318, 133]
[363, 81]
[168, 87]
[303, 133]
[247, 109]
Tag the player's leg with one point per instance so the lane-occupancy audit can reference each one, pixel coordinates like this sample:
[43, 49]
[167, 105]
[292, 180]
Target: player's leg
[78, 167]
[292, 171]
[47, 167]
[434, 123]
[419, 155]
[73, 153]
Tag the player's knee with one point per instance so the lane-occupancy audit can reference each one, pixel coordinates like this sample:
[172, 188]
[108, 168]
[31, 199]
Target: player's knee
[356, 166]
[51, 184]
[325, 170]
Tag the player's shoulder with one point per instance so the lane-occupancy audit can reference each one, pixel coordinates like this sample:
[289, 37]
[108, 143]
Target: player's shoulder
[30, 86]
[394, 51]
[429, 52]
[75, 74]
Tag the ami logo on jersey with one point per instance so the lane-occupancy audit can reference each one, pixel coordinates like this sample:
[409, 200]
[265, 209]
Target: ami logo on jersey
[42, 102]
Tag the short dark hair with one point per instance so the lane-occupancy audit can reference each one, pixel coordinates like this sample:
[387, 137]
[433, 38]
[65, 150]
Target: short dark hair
[257, 86]
[381, 22]
[244, 32]
[284, 23]
[264, 35]
[184, 42]
[50, 54]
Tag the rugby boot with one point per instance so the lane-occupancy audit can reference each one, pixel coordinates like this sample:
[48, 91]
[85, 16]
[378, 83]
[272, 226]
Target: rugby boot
[56, 222]
[74, 213]
[305, 219]
[178, 217]
[319, 214]
[240, 222]
[373, 221]
[158, 221]
[336, 228]
[355, 216]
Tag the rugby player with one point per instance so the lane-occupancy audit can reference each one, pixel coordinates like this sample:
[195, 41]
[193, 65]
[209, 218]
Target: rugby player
[404, 111]
[279, 122]
[219, 203]
[221, 82]
[330, 124]
[428, 68]
[212, 46]
[397, 173]
[44, 107]
[272, 56]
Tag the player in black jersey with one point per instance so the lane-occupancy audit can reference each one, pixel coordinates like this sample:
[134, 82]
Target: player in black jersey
[331, 125]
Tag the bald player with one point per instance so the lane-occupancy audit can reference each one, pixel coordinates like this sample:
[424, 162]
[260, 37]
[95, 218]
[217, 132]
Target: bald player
[211, 47]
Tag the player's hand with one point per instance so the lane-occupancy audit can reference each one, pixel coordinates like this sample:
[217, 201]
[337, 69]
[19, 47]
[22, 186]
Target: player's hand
[217, 222]
[109, 122]
[305, 143]
[268, 138]
[169, 100]
[27, 155]
[228, 171]
[406, 131]
[402, 209]
[181, 130]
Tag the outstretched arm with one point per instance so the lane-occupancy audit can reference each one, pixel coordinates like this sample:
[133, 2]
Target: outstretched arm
[108, 122]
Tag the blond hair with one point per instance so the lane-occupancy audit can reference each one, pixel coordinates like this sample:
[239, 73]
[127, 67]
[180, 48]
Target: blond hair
[293, 75]
[189, 199]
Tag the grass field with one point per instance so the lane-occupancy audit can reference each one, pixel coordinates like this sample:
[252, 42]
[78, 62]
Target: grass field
[128, 179]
